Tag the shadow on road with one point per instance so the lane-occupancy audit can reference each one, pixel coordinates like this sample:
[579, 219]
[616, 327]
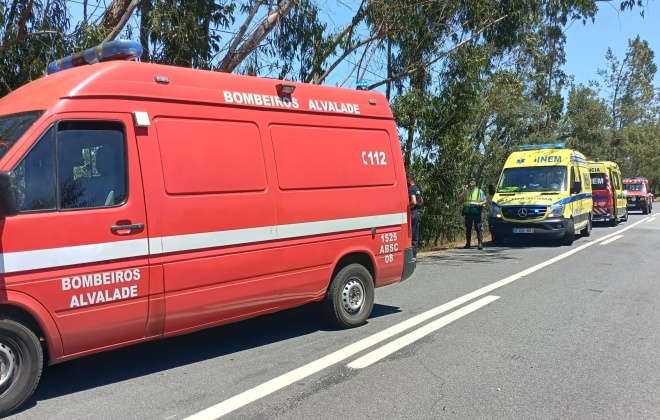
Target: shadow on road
[148, 358]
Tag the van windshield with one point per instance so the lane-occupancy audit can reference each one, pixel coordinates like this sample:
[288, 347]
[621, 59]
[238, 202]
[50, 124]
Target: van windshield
[533, 179]
[634, 187]
[13, 126]
[598, 182]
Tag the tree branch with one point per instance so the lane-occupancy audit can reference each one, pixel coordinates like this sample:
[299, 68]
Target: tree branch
[416, 68]
[19, 39]
[233, 59]
[120, 25]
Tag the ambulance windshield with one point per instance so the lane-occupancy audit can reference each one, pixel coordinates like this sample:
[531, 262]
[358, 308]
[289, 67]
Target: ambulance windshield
[533, 179]
[12, 128]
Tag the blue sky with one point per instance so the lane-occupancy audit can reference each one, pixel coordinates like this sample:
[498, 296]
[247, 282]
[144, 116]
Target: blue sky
[586, 45]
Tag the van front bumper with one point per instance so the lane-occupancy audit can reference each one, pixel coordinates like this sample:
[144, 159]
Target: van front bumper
[409, 264]
[554, 228]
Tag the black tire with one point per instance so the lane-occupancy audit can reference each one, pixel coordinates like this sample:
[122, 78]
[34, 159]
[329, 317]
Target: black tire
[569, 237]
[497, 240]
[350, 297]
[645, 209]
[614, 221]
[21, 363]
[586, 232]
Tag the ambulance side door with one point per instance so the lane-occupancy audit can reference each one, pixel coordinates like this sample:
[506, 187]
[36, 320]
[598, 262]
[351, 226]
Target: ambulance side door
[79, 244]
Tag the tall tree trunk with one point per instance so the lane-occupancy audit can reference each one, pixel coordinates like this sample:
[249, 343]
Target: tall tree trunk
[145, 30]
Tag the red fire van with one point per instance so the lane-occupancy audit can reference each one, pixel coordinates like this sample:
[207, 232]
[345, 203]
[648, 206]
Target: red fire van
[639, 194]
[140, 201]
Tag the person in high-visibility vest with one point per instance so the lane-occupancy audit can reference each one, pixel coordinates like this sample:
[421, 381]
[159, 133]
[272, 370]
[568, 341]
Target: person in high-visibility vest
[473, 200]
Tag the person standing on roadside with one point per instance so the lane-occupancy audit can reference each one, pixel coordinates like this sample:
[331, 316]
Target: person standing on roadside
[415, 201]
[473, 200]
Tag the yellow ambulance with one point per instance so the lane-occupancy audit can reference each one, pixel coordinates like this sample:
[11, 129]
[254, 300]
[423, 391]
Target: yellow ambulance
[607, 187]
[544, 191]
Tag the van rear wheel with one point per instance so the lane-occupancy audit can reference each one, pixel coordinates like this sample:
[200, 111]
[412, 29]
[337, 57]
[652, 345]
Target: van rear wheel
[21, 363]
[350, 297]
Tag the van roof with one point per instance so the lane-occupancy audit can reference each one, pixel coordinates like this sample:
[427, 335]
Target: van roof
[136, 80]
[538, 157]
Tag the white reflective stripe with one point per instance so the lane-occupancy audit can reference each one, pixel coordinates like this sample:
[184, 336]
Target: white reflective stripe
[81, 254]
[341, 225]
[215, 239]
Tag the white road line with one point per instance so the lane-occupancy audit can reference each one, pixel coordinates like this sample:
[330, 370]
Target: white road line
[421, 332]
[612, 239]
[311, 368]
[652, 219]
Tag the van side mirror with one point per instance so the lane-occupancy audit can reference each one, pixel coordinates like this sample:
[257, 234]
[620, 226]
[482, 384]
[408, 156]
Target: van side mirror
[577, 187]
[491, 189]
[8, 194]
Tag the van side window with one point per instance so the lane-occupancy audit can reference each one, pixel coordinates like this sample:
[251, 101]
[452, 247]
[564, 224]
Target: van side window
[617, 181]
[92, 164]
[90, 169]
[35, 175]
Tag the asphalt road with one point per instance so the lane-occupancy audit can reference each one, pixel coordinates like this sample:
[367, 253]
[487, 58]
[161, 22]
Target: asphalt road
[524, 331]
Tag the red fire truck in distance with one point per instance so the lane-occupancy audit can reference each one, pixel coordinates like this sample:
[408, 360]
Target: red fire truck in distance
[638, 194]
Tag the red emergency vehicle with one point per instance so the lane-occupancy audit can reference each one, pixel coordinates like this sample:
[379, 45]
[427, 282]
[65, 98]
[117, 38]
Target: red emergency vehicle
[140, 201]
[638, 194]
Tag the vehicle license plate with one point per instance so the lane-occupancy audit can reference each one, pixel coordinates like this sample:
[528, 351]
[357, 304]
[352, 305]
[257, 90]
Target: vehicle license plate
[523, 230]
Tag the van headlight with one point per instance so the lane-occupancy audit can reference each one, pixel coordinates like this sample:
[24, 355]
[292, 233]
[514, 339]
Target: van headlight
[556, 210]
[495, 211]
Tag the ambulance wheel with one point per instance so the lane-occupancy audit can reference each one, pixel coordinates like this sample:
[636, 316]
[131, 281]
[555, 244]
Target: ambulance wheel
[350, 297]
[645, 209]
[587, 230]
[613, 222]
[21, 362]
[569, 237]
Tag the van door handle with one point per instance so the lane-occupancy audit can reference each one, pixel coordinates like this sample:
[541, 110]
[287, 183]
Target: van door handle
[134, 226]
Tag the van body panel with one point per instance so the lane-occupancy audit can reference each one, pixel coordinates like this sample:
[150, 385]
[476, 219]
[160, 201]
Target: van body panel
[74, 269]
[233, 200]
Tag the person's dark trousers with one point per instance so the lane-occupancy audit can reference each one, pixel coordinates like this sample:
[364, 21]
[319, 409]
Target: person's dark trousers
[415, 231]
[473, 219]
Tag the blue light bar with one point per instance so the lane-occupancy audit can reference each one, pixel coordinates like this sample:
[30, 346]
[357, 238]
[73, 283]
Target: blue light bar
[542, 146]
[362, 85]
[119, 49]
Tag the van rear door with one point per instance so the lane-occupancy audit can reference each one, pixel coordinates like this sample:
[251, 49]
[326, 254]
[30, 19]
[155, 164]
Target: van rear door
[79, 244]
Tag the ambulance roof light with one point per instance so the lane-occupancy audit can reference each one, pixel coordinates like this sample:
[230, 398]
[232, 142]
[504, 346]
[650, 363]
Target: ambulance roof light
[119, 49]
[362, 85]
[542, 146]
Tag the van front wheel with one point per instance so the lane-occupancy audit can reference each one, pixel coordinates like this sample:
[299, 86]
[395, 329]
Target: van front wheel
[350, 297]
[21, 363]
[569, 236]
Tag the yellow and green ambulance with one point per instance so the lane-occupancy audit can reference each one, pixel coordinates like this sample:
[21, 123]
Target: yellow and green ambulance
[544, 192]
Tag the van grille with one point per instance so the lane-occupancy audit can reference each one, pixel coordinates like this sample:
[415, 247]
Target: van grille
[524, 212]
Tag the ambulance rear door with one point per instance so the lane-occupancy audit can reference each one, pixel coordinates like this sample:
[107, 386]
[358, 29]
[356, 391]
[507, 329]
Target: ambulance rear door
[79, 243]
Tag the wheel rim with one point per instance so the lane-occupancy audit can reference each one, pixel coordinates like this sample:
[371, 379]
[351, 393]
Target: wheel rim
[352, 296]
[7, 364]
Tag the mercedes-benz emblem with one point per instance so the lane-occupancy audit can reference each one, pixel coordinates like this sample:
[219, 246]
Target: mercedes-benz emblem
[522, 212]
